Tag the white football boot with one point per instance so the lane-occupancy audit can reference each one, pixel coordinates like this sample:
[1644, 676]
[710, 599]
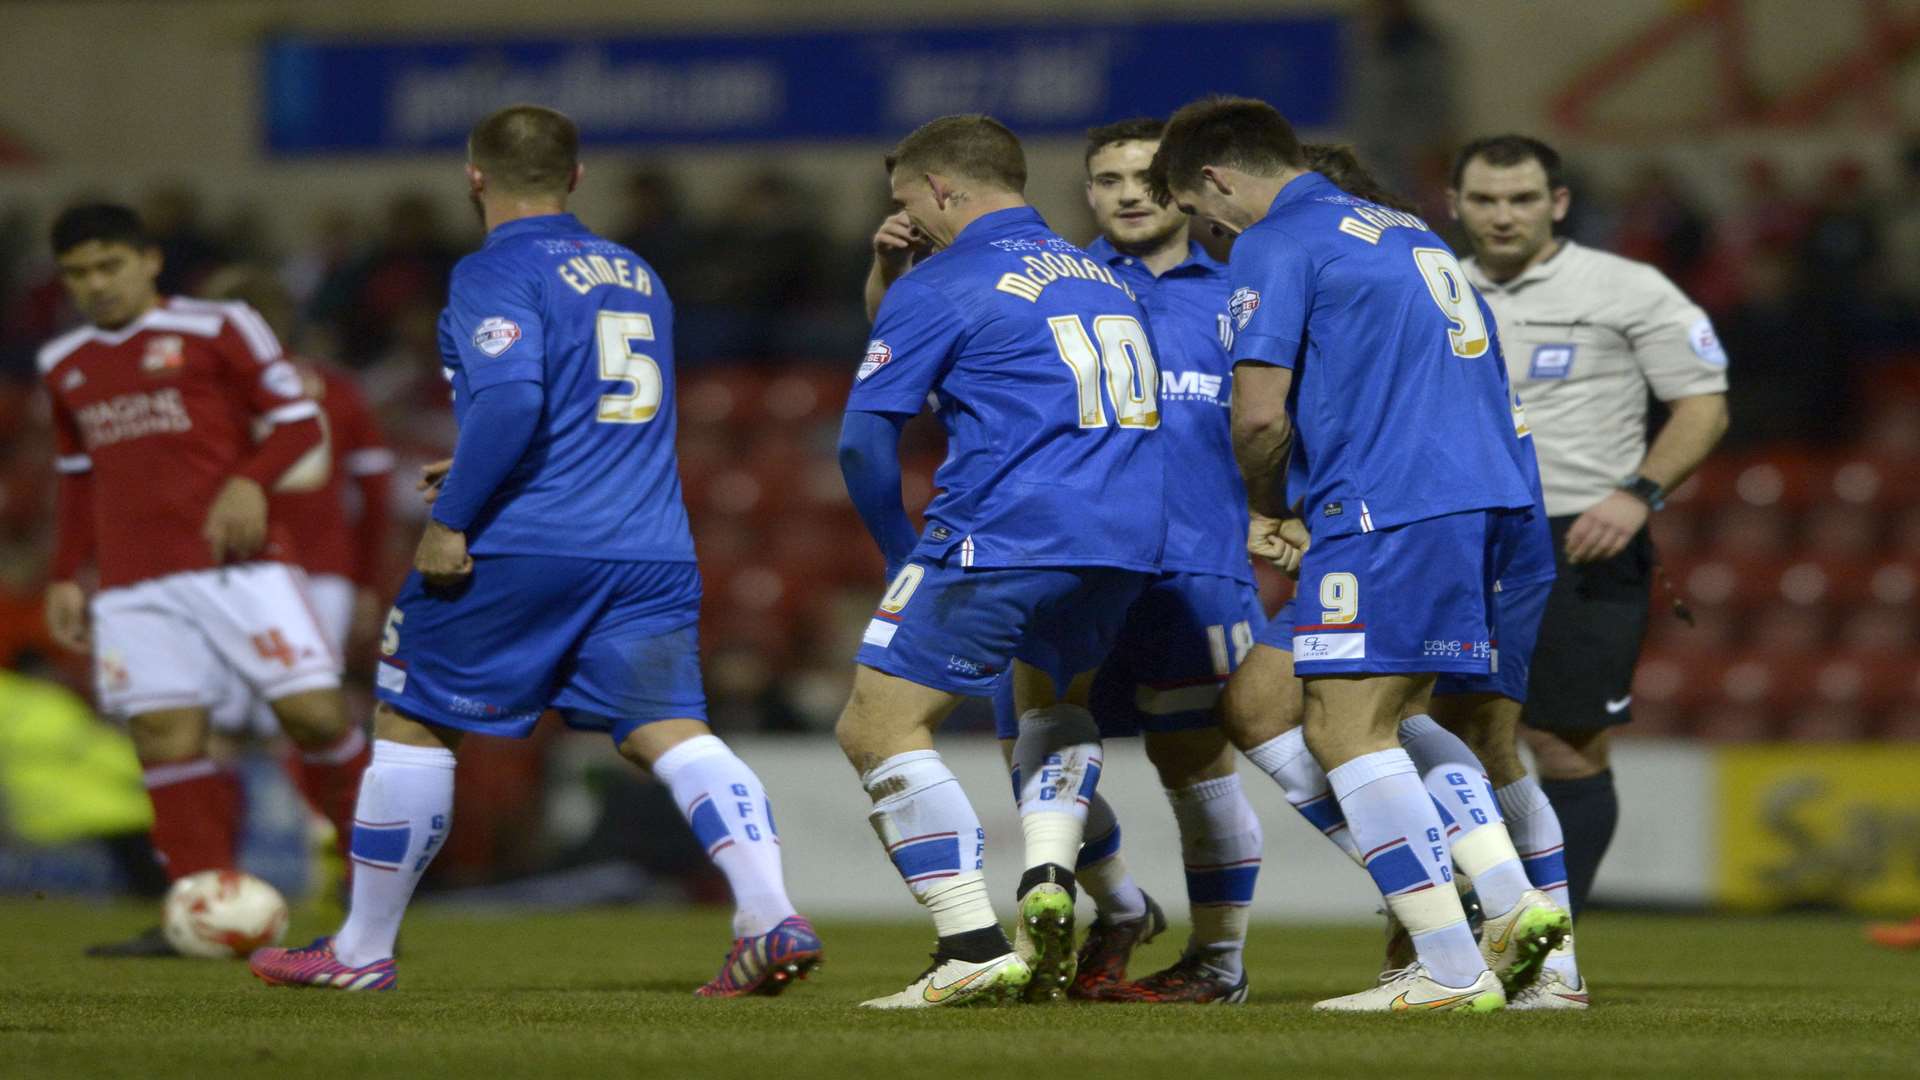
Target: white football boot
[947, 981]
[1559, 986]
[1411, 989]
[1516, 943]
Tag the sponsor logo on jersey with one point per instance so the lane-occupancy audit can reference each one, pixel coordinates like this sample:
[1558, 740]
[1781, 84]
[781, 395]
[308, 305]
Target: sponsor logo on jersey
[495, 335]
[1326, 646]
[133, 416]
[1241, 305]
[1706, 344]
[1191, 386]
[963, 666]
[879, 354]
[1551, 362]
[166, 354]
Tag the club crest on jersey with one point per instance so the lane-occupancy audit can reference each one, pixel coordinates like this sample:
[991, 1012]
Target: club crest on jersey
[73, 380]
[1241, 305]
[166, 354]
[879, 353]
[495, 335]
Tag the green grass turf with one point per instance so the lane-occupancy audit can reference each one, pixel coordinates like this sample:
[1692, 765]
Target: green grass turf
[606, 993]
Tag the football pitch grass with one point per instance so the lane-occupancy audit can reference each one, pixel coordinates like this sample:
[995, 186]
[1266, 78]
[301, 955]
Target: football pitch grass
[606, 993]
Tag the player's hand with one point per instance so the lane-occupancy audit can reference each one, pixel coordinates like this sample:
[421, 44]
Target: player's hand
[442, 555]
[1604, 531]
[1280, 541]
[237, 523]
[432, 475]
[67, 615]
[894, 245]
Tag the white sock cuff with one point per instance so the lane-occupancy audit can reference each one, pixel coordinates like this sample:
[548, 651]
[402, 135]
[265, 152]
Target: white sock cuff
[1280, 751]
[1367, 768]
[685, 753]
[427, 757]
[1062, 724]
[1481, 849]
[339, 753]
[1521, 798]
[1415, 726]
[922, 762]
[177, 772]
[1222, 787]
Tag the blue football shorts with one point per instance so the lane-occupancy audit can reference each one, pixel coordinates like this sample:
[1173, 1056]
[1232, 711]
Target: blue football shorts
[612, 645]
[958, 628]
[1181, 640]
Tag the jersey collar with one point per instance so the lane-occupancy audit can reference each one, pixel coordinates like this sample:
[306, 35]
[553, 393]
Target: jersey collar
[544, 223]
[1307, 185]
[999, 223]
[1197, 263]
[1538, 272]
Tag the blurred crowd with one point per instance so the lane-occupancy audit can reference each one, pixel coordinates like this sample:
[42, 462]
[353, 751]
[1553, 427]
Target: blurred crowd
[1814, 284]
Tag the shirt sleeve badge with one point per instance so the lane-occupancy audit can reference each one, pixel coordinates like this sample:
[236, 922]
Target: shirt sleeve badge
[495, 335]
[1241, 305]
[879, 353]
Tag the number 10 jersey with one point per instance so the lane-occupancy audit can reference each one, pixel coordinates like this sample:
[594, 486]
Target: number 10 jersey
[1039, 363]
[547, 301]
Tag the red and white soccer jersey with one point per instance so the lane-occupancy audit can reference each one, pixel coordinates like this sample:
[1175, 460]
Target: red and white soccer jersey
[150, 421]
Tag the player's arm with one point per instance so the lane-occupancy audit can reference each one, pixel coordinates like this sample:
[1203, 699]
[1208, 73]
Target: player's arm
[236, 524]
[894, 245]
[66, 601]
[1677, 349]
[915, 335]
[1273, 296]
[506, 396]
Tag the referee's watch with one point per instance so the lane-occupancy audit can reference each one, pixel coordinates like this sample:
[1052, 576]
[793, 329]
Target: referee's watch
[1647, 491]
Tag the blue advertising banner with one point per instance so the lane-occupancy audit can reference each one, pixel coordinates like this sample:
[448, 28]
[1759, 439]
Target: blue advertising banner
[337, 95]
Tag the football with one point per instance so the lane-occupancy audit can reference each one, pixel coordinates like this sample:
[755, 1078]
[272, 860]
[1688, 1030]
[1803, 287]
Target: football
[223, 914]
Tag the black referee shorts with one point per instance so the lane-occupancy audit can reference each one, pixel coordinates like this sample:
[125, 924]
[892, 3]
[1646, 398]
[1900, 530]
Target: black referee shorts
[1590, 637]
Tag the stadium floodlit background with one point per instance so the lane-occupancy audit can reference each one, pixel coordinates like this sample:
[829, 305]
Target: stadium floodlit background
[1763, 153]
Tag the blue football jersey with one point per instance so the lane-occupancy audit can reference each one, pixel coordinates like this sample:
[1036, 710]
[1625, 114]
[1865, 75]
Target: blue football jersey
[1207, 508]
[1039, 364]
[547, 301]
[1401, 407]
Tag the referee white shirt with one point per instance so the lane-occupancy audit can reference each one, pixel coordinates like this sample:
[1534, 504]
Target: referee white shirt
[1587, 334]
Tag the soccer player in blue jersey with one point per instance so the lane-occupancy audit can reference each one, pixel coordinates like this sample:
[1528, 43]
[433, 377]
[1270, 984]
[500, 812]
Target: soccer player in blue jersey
[557, 570]
[1360, 348]
[1048, 524]
[1262, 707]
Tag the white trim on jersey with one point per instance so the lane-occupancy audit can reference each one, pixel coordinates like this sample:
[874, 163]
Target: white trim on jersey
[287, 414]
[371, 461]
[72, 463]
[158, 319]
[966, 552]
[62, 347]
[253, 329]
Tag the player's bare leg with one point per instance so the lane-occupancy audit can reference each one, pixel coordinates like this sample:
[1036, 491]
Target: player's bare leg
[1056, 770]
[933, 837]
[1220, 841]
[1352, 727]
[195, 803]
[333, 753]
[1262, 712]
[401, 819]
[727, 806]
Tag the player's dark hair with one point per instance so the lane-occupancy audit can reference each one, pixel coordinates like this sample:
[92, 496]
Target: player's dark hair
[1506, 150]
[109, 223]
[1341, 166]
[526, 150]
[1241, 133]
[1135, 129]
[972, 145]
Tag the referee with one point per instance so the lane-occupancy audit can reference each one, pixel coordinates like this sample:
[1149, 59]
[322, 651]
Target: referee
[1588, 337]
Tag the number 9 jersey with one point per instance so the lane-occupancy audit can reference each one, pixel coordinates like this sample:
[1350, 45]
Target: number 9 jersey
[1400, 401]
[1038, 362]
[547, 301]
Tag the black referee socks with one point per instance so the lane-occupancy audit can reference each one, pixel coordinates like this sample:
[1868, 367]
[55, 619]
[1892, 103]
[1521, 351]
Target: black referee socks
[1588, 809]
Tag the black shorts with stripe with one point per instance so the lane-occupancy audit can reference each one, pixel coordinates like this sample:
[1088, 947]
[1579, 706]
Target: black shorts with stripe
[1590, 637]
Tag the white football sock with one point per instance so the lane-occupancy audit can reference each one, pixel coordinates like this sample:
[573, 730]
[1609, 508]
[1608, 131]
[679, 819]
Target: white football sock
[1220, 843]
[1482, 849]
[933, 837]
[727, 806]
[1102, 872]
[1056, 767]
[1285, 758]
[1398, 830]
[1536, 833]
[404, 810]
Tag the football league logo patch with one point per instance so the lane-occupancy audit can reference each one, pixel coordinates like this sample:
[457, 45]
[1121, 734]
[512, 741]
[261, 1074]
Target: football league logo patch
[879, 353]
[1241, 305]
[495, 335]
[1706, 344]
